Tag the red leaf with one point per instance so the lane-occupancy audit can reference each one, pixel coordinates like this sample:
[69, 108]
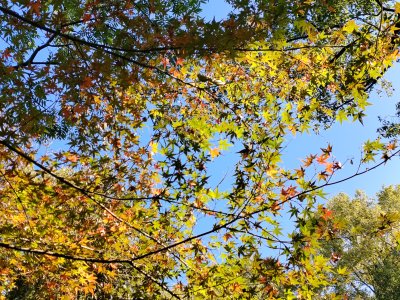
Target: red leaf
[289, 192]
[34, 7]
[227, 236]
[86, 17]
[328, 214]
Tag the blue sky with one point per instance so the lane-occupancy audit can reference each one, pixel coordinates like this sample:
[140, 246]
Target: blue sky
[217, 9]
[347, 139]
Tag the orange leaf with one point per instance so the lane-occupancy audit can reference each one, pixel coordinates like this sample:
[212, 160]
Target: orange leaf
[335, 257]
[322, 159]
[275, 206]
[391, 146]
[165, 62]
[289, 192]
[227, 236]
[327, 214]
[214, 152]
[300, 172]
[6, 54]
[236, 287]
[329, 167]
[72, 158]
[309, 160]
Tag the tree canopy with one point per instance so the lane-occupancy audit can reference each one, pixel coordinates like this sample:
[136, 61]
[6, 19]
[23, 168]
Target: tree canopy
[113, 114]
[366, 247]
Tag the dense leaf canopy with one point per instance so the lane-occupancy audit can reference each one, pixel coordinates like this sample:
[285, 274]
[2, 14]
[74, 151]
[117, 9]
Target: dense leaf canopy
[365, 248]
[113, 114]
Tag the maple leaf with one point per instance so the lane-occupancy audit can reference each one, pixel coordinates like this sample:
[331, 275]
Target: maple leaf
[35, 7]
[179, 61]
[72, 158]
[6, 54]
[329, 167]
[86, 17]
[236, 287]
[214, 152]
[391, 146]
[309, 160]
[322, 159]
[335, 257]
[165, 62]
[227, 236]
[275, 206]
[139, 98]
[327, 150]
[300, 172]
[337, 165]
[322, 176]
[87, 83]
[288, 192]
[327, 214]
[397, 7]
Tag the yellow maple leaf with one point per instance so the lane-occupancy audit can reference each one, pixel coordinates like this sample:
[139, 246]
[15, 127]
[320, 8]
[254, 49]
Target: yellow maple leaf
[350, 26]
[397, 8]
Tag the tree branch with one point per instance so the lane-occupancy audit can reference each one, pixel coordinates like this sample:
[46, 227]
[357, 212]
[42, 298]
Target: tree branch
[87, 194]
[30, 60]
[62, 255]
[216, 228]
[87, 259]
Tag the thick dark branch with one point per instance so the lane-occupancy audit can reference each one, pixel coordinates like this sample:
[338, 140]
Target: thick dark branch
[79, 40]
[371, 288]
[108, 47]
[194, 237]
[74, 38]
[62, 255]
[87, 194]
[68, 183]
[139, 51]
[297, 38]
[342, 51]
[45, 63]
[87, 259]
[358, 173]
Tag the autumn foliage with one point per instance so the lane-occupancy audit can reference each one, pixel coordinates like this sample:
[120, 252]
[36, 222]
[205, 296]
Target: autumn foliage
[115, 120]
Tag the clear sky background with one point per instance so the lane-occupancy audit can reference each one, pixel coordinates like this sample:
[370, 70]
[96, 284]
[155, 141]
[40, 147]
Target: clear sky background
[347, 139]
